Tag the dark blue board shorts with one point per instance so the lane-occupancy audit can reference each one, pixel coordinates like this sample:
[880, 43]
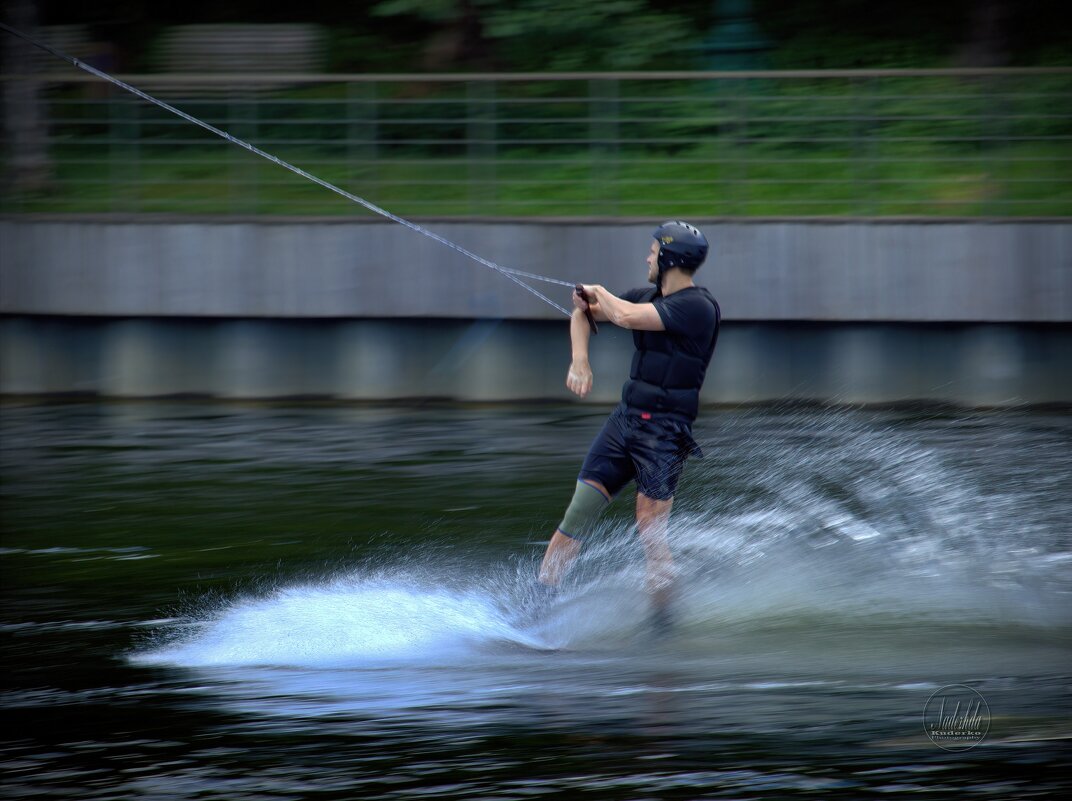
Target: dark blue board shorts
[641, 446]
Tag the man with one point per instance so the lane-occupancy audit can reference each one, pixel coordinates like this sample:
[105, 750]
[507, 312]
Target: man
[649, 435]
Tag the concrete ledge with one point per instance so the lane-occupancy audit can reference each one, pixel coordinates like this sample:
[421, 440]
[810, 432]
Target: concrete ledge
[890, 271]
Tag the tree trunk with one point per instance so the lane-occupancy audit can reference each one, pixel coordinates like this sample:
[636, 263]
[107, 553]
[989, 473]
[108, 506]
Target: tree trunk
[28, 163]
[987, 44]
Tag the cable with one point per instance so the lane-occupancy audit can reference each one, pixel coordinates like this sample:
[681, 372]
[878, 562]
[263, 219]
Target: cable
[509, 273]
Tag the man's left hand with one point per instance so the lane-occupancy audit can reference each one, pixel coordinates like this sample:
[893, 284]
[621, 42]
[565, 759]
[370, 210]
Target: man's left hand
[579, 377]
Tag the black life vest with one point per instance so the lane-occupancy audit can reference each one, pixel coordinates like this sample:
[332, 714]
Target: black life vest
[668, 370]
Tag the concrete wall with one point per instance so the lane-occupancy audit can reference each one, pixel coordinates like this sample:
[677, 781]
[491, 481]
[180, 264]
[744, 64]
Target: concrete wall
[978, 364]
[966, 312]
[983, 271]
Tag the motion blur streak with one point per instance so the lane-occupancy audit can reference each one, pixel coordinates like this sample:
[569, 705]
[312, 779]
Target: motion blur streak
[276, 601]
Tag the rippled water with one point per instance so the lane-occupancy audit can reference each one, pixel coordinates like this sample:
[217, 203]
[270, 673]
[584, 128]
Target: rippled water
[224, 601]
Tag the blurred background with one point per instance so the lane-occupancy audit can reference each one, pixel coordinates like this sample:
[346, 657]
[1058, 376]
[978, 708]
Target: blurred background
[420, 106]
[257, 542]
[887, 190]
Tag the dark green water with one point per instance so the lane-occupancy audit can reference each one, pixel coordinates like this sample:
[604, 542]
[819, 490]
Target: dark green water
[243, 602]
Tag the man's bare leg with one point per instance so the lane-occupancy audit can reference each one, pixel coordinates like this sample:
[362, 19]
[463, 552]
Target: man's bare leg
[652, 519]
[562, 551]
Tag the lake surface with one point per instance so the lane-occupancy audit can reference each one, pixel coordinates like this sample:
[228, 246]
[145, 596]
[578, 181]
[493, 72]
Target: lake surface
[297, 601]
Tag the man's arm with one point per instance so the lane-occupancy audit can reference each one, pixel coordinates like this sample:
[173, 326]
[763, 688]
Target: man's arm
[579, 377]
[635, 316]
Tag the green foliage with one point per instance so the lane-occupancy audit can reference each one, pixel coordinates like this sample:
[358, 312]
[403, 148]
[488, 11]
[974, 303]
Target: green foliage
[362, 50]
[385, 35]
[427, 10]
[564, 34]
[604, 34]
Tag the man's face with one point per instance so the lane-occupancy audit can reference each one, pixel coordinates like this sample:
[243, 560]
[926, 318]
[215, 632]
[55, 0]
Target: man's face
[653, 263]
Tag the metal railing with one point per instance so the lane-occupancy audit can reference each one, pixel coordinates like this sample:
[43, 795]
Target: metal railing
[862, 143]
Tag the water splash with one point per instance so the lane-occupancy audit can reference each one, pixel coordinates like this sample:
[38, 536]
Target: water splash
[814, 528]
[357, 620]
[845, 522]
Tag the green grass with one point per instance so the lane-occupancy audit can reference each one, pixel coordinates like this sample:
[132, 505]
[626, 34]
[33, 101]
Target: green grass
[712, 180]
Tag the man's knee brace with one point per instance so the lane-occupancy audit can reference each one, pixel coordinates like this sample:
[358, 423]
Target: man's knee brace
[587, 505]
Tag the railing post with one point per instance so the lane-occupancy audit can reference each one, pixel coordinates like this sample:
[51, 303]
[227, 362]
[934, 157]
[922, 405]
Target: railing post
[373, 152]
[1001, 121]
[234, 165]
[242, 194]
[723, 189]
[614, 133]
[862, 109]
[482, 141]
[135, 157]
[362, 111]
[115, 156]
[492, 150]
[607, 162]
[257, 170]
[241, 103]
[470, 146]
[732, 144]
[746, 84]
[122, 152]
[471, 151]
[481, 146]
[351, 137]
[594, 182]
[603, 143]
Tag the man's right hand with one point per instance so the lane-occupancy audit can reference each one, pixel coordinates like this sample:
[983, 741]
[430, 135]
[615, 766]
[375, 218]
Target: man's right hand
[579, 378]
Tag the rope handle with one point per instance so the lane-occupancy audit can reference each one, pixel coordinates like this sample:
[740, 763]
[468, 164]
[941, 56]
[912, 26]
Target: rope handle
[579, 289]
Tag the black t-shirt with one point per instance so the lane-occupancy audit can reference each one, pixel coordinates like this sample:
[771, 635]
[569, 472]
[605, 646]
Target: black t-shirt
[669, 366]
[687, 315]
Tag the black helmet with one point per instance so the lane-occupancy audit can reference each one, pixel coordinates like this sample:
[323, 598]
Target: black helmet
[680, 245]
